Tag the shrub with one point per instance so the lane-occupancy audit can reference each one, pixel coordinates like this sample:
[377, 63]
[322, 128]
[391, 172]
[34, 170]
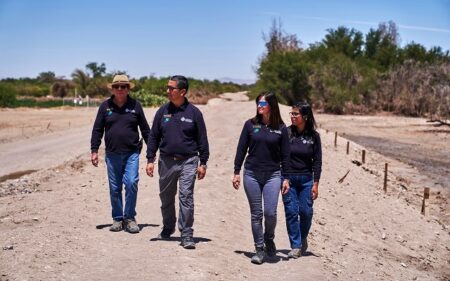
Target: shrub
[7, 95]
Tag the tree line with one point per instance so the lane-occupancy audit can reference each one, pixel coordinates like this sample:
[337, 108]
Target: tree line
[349, 72]
[92, 82]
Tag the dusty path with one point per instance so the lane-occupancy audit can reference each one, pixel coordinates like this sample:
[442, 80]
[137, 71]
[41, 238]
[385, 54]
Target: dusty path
[60, 231]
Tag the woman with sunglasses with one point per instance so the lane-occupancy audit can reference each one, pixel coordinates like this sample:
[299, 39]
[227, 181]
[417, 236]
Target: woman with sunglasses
[265, 142]
[303, 173]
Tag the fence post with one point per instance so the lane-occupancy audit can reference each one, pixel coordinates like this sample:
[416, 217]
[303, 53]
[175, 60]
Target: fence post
[348, 147]
[426, 195]
[385, 176]
[335, 139]
[363, 156]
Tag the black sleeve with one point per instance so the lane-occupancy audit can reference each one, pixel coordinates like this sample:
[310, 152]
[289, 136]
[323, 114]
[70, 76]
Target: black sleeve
[285, 150]
[98, 129]
[317, 158]
[202, 138]
[143, 124]
[241, 150]
[154, 137]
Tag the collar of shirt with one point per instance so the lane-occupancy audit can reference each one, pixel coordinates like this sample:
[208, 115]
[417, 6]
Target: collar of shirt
[112, 104]
[182, 107]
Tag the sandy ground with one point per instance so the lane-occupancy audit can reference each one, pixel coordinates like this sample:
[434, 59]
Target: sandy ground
[54, 222]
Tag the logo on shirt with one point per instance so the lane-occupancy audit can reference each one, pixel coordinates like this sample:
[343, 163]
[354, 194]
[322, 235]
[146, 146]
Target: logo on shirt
[108, 111]
[256, 128]
[166, 117]
[130, 110]
[307, 140]
[183, 119]
[276, 131]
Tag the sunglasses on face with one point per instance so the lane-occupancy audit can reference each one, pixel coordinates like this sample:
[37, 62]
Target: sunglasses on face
[262, 103]
[120, 87]
[294, 114]
[170, 88]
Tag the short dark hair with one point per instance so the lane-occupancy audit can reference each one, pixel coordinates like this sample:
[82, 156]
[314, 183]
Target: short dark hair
[307, 114]
[275, 117]
[182, 82]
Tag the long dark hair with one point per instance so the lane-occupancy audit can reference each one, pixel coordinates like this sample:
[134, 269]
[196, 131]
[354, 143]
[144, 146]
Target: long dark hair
[275, 116]
[307, 114]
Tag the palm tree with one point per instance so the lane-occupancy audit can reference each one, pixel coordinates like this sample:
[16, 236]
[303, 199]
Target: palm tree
[81, 79]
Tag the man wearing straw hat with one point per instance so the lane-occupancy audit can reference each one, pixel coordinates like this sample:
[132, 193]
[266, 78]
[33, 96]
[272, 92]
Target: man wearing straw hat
[119, 118]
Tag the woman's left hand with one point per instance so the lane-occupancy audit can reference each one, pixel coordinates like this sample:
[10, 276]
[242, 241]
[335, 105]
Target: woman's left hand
[315, 191]
[285, 187]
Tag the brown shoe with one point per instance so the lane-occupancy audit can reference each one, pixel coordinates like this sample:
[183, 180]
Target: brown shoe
[294, 254]
[116, 226]
[131, 226]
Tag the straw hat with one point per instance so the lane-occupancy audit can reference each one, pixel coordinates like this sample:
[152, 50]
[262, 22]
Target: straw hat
[120, 80]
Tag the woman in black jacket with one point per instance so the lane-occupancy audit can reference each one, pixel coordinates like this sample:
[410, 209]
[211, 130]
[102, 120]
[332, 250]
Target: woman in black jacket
[303, 173]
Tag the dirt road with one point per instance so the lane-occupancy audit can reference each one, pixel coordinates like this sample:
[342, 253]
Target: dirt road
[59, 229]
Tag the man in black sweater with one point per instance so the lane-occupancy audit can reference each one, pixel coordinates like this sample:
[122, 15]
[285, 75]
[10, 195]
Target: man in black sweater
[179, 132]
[119, 118]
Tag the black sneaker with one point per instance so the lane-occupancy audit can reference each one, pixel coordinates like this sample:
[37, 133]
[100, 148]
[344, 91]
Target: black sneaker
[187, 242]
[304, 245]
[271, 249]
[258, 258]
[166, 233]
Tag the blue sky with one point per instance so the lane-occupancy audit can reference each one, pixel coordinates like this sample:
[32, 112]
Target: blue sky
[201, 39]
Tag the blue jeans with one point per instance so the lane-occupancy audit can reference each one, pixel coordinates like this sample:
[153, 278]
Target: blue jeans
[123, 169]
[298, 208]
[259, 185]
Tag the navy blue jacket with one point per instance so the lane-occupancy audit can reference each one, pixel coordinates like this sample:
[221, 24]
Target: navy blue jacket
[178, 132]
[306, 154]
[267, 148]
[120, 125]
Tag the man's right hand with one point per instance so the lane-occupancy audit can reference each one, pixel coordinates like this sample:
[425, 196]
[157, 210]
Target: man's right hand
[94, 159]
[149, 169]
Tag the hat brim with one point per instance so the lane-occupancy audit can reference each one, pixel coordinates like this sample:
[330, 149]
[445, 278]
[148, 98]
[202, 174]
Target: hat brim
[130, 84]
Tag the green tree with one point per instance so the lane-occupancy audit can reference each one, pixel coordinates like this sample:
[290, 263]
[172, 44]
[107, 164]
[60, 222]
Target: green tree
[96, 69]
[345, 41]
[81, 79]
[46, 77]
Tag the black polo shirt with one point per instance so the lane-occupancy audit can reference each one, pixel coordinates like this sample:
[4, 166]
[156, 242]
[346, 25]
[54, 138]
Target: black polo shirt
[306, 154]
[268, 149]
[178, 132]
[120, 125]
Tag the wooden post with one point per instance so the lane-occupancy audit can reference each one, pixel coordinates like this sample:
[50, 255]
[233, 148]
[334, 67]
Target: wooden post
[363, 156]
[426, 195]
[335, 139]
[348, 147]
[385, 177]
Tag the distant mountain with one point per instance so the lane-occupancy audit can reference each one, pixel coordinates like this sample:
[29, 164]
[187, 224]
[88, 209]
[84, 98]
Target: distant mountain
[237, 81]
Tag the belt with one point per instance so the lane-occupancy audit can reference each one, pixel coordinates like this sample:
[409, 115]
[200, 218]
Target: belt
[176, 158]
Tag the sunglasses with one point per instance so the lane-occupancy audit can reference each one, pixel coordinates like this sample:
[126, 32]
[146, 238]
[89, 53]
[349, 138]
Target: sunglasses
[262, 103]
[120, 87]
[294, 114]
[170, 88]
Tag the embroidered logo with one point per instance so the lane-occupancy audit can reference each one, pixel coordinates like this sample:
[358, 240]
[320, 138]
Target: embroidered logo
[167, 117]
[108, 111]
[130, 110]
[256, 128]
[183, 119]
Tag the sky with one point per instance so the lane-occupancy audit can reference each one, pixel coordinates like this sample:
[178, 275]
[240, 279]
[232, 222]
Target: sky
[197, 38]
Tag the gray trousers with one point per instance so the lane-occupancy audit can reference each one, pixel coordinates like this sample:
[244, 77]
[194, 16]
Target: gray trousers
[170, 172]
